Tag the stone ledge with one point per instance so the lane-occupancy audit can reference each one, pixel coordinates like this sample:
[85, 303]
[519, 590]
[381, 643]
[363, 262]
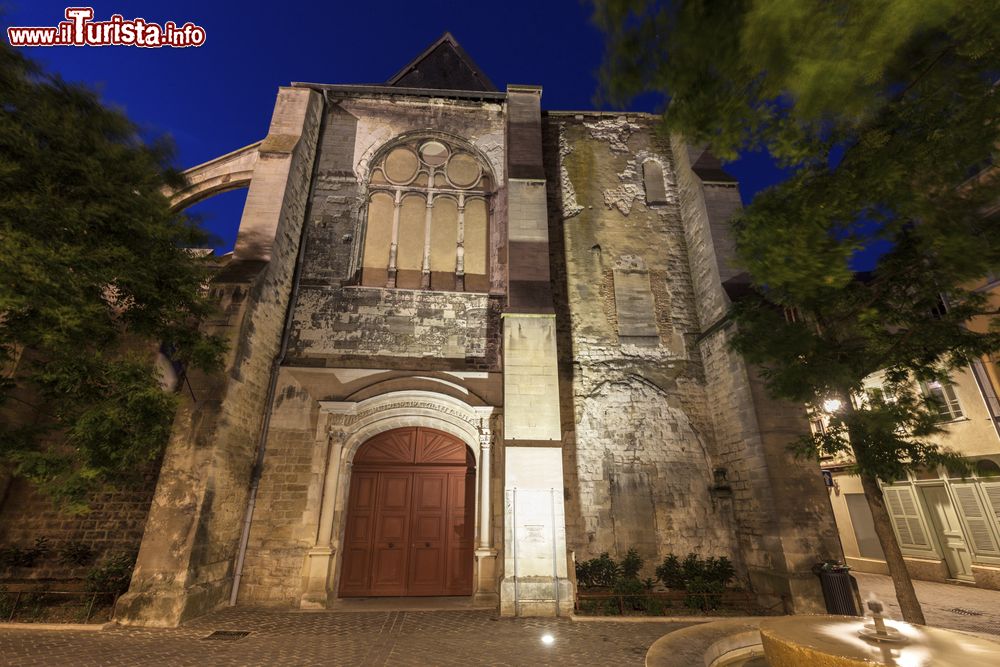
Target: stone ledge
[65, 627]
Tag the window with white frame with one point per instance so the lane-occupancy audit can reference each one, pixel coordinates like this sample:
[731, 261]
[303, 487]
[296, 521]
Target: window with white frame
[944, 398]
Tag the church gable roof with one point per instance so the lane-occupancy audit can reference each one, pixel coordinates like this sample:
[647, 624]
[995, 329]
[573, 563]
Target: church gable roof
[444, 65]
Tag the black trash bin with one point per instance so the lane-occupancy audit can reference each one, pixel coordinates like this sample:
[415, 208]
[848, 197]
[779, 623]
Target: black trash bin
[838, 590]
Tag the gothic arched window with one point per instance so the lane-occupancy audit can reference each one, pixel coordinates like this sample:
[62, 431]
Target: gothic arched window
[428, 219]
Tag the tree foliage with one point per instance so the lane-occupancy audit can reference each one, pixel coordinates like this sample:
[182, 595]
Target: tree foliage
[93, 275]
[883, 109]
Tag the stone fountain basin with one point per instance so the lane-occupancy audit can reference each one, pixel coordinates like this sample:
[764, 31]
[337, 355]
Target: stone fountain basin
[833, 641]
[816, 641]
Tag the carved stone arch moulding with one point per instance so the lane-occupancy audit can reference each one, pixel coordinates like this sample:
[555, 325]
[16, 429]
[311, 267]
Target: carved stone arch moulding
[355, 423]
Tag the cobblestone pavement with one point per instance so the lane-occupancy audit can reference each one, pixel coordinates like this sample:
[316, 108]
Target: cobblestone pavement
[950, 606]
[424, 638]
[281, 638]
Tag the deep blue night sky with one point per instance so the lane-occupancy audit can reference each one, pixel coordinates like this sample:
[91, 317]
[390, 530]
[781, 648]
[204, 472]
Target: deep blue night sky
[218, 97]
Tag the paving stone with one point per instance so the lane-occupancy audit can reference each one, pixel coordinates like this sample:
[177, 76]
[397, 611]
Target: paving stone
[944, 605]
[279, 638]
[405, 638]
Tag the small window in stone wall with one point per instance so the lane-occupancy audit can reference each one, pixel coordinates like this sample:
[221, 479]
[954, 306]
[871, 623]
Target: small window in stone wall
[428, 219]
[652, 176]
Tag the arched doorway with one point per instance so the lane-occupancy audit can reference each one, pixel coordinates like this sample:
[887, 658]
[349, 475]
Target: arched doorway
[410, 522]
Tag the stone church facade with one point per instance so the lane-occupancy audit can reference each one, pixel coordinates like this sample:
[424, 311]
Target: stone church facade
[471, 341]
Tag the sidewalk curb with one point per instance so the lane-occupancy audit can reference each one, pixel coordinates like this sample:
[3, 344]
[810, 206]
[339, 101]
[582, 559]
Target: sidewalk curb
[656, 619]
[67, 627]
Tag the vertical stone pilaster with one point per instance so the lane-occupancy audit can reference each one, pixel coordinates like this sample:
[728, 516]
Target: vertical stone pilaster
[535, 579]
[186, 562]
[486, 553]
[318, 568]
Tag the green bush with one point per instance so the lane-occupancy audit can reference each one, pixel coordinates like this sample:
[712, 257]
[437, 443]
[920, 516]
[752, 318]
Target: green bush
[656, 606]
[15, 556]
[113, 576]
[76, 553]
[669, 572]
[677, 575]
[693, 567]
[719, 569]
[602, 571]
[6, 603]
[703, 579]
[32, 605]
[633, 594]
[605, 607]
[631, 564]
[704, 595]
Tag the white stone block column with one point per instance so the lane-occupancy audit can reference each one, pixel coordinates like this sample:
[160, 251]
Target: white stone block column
[486, 553]
[535, 581]
[319, 559]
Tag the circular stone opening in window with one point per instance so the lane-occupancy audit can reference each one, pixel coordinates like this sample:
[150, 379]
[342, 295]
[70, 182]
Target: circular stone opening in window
[463, 170]
[434, 153]
[401, 166]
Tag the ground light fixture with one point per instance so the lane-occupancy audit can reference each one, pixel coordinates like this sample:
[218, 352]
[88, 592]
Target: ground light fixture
[548, 639]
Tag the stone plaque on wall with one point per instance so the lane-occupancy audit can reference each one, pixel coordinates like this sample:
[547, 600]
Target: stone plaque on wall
[634, 301]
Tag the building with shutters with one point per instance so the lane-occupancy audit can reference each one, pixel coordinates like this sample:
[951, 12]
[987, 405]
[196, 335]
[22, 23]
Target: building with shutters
[471, 342]
[948, 527]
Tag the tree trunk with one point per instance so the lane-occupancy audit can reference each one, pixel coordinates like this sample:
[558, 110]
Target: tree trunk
[908, 603]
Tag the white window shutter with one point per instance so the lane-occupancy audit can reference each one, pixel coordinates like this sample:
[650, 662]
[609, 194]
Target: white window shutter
[977, 521]
[905, 517]
[992, 492]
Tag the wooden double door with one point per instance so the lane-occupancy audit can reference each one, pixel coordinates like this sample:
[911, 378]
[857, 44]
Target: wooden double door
[410, 517]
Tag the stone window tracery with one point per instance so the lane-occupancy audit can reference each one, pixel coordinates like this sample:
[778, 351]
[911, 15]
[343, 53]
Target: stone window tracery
[428, 218]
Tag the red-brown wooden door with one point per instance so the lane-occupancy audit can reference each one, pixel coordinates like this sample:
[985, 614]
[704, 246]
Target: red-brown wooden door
[392, 524]
[428, 557]
[410, 517]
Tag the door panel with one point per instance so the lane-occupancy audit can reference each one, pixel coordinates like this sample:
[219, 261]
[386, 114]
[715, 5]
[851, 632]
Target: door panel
[358, 534]
[392, 523]
[949, 532]
[461, 532]
[427, 548]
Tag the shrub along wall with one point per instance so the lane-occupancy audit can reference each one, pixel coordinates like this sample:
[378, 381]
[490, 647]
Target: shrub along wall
[113, 526]
[606, 586]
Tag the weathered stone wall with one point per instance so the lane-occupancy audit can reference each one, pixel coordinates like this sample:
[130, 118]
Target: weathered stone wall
[113, 525]
[783, 519]
[337, 323]
[640, 443]
[367, 322]
[186, 561]
[285, 515]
